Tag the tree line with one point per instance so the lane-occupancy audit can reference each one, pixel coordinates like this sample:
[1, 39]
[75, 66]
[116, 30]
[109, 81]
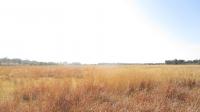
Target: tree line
[180, 61]
[16, 61]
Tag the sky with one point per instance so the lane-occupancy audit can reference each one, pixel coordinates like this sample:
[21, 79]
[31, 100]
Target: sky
[182, 17]
[95, 31]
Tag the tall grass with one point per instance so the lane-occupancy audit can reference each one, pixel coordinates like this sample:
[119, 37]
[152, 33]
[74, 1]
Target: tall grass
[136, 88]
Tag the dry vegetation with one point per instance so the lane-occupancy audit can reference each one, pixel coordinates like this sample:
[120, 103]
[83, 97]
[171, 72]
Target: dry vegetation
[136, 88]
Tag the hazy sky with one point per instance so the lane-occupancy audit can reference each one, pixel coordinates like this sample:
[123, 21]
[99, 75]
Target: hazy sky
[181, 17]
[92, 31]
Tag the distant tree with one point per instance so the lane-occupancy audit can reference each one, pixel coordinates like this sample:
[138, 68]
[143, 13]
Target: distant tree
[16, 61]
[176, 61]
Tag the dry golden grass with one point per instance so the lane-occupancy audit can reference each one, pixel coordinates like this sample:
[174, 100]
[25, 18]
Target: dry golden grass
[135, 88]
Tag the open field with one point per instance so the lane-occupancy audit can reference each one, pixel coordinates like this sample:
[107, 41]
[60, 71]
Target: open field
[130, 88]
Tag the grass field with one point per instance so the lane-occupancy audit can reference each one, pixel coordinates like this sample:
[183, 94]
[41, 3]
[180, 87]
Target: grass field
[130, 88]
